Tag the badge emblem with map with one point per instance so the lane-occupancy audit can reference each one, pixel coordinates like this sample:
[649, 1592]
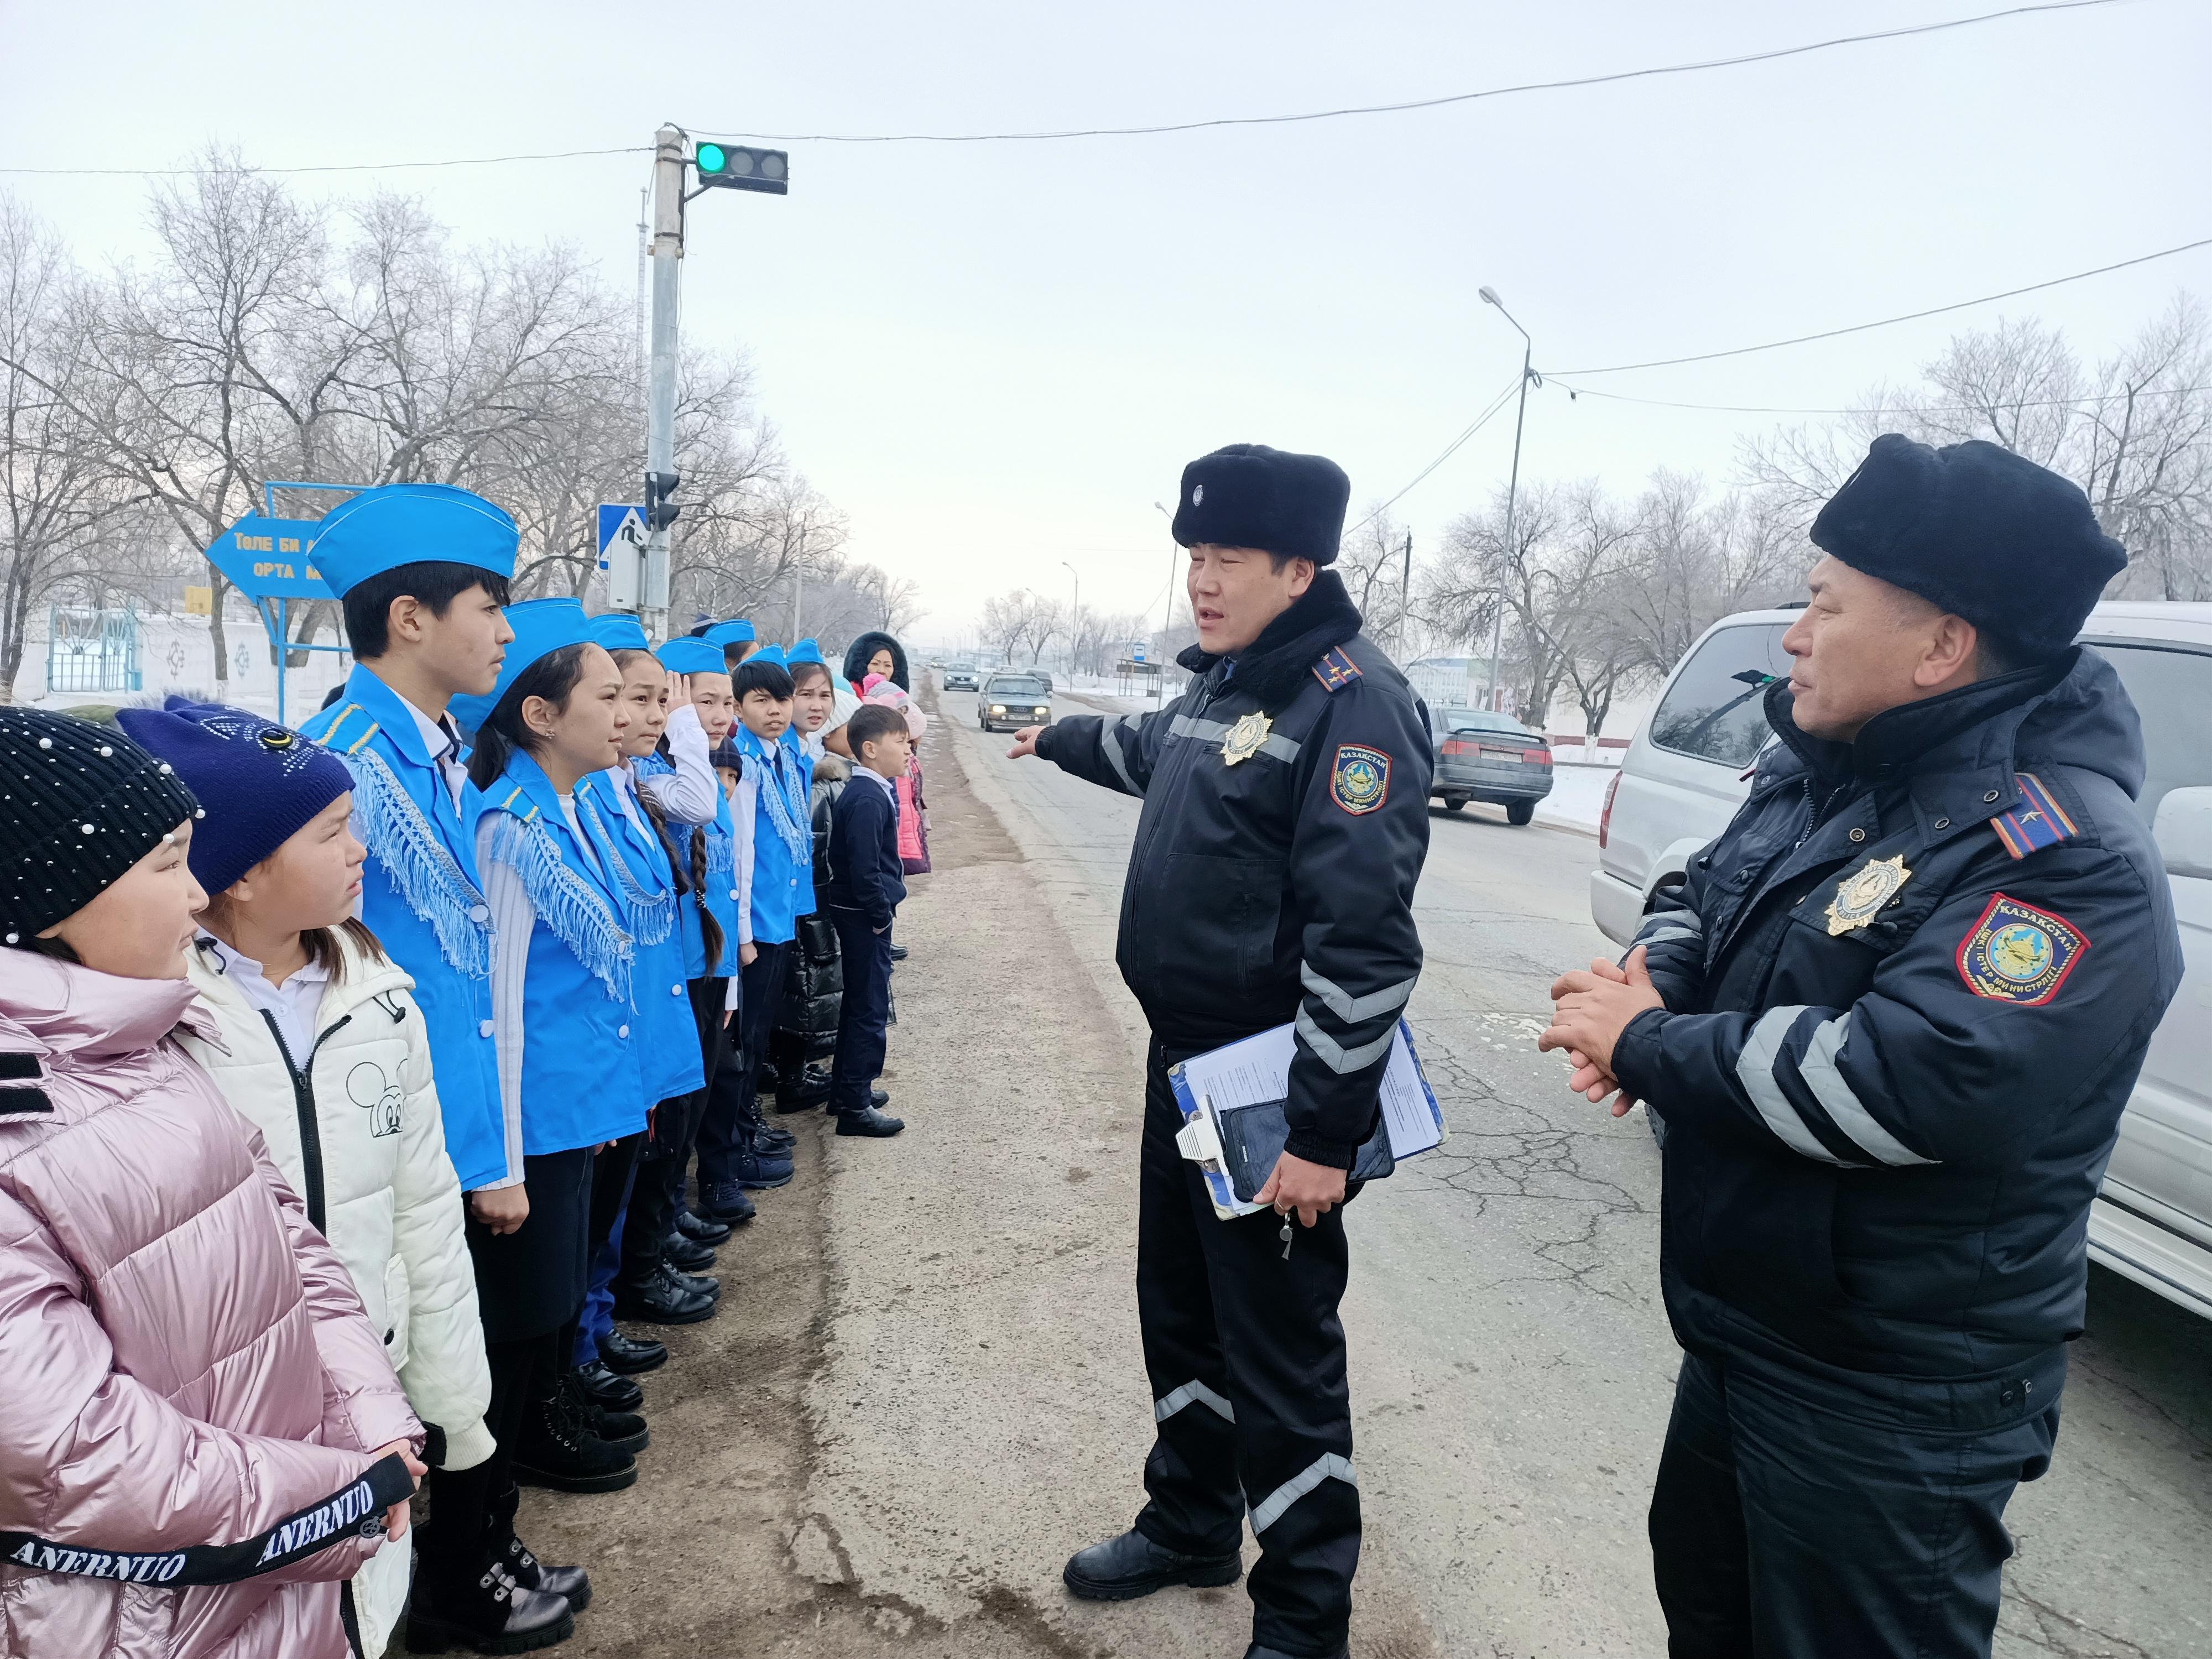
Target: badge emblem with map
[2017, 953]
[1859, 897]
[1244, 739]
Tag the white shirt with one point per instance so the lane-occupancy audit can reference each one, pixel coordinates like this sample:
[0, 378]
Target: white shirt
[443, 739]
[293, 1005]
[690, 794]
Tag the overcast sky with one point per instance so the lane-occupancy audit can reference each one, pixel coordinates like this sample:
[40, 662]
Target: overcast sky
[996, 357]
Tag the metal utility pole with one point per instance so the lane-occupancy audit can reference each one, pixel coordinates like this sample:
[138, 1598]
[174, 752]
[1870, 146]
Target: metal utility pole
[660, 398]
[1167, 627]
[1405, 595]
[797, 592]
[1512, 487]
[1074, 621]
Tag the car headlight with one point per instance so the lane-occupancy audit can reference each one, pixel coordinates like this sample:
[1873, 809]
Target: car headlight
[998, 708]
[1044, 713]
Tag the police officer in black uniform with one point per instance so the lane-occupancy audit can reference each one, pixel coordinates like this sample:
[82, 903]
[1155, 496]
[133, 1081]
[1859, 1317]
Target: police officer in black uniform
[1285, 822]
[1890, 1024]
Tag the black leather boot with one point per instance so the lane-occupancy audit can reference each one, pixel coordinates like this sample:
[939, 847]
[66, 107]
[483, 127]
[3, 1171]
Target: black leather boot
[613, 1391]
[701, 1230]
[661, 1301]
[571, 1584]
[628, 1355]
[1122, 1569]
[495, 1614]
[684, 1254]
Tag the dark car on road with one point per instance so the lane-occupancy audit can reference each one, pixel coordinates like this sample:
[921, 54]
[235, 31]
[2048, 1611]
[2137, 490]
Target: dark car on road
[1010, 701]
[960, 676]
[1481, 755]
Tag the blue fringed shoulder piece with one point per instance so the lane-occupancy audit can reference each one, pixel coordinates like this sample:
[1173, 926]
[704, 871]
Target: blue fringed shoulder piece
[652, 915]
[427, 877]
[578, 914]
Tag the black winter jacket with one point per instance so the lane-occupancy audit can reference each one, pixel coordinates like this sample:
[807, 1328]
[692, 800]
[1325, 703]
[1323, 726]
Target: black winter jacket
[1881, 1141]
[1280, 888]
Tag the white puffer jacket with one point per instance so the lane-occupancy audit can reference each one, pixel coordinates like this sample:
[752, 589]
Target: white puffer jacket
[382, 1188]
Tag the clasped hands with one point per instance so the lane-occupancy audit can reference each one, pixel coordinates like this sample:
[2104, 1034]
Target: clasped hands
[1590, 1011]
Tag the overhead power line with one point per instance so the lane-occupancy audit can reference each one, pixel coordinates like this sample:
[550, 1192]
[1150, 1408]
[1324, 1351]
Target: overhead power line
[334, 166]
[1886, 322]
[1450, 449]
[1410, 104]
[1876, 409]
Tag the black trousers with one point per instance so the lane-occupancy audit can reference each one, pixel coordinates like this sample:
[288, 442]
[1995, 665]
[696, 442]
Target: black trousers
[1804, 1513]
[729, 1103]
[659, 1188]
[865, 955]
[1246, 1356]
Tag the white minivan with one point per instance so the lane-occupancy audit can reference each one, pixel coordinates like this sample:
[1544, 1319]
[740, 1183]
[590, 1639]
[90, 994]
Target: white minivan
[1688, 771]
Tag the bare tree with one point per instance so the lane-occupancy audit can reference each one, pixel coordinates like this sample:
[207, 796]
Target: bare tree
[1373, 563]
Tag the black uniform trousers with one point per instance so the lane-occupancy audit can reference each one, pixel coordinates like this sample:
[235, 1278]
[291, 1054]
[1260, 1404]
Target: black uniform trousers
[862, 1014]
[1246, 1356]
[730, 1098]
[659, 1189]
[1803, 1512]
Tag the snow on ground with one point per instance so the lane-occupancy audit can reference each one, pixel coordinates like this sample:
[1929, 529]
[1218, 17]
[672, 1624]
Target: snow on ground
[1577, 797]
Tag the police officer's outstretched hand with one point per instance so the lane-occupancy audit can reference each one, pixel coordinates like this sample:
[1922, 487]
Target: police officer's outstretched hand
[1312, 1189]
[1024, 742]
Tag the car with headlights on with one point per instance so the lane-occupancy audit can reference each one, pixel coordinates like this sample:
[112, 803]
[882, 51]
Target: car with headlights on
[959, 676]
[1010, 701]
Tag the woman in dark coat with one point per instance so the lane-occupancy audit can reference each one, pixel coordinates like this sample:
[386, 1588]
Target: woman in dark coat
[862, 659]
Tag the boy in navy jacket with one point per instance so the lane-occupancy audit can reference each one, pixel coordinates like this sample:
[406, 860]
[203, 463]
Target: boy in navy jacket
[864, 893]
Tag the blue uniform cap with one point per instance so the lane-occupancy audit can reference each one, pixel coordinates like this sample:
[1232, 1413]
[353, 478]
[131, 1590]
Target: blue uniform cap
[618, 630]
[690, 656]
[805, 651]
[392, 525]
[541, 627]
[730, 633]
[771, 653]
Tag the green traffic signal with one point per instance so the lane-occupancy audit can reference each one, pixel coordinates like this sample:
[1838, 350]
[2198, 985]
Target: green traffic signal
[712, 158]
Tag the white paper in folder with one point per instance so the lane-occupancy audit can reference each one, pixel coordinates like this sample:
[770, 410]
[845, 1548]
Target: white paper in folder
[1258, 1069]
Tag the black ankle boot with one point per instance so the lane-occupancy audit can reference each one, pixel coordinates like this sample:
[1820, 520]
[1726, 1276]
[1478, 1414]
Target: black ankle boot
[558, 1450]
[571, 1584]
[493, 1613]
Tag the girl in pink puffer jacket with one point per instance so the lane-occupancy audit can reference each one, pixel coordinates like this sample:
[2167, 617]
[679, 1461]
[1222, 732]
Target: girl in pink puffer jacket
[203, 1439]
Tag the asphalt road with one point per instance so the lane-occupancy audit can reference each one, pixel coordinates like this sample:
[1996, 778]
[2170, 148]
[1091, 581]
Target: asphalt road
[1511, 1364]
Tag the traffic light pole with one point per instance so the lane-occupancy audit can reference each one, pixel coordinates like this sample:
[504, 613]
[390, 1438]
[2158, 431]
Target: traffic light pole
[660, 392]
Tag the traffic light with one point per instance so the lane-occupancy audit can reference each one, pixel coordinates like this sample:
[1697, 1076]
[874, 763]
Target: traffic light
[659, 511]
[733, 167]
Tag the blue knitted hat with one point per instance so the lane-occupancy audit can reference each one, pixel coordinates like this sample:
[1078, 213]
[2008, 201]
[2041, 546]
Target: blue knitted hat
[260, 783]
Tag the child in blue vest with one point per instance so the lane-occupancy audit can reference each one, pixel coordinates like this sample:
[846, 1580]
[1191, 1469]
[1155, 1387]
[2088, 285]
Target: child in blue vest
[865, 888]
[778, 887]
[421, 572]
[630, 1211]
[569, 1039]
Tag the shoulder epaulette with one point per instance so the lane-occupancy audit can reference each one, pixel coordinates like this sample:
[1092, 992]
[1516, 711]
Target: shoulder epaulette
[1335, 670]
[2038, 822]
[507, 805]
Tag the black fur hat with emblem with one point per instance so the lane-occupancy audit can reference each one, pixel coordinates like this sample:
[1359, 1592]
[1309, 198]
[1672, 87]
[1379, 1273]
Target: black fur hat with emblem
[1250, 496]
[79, 803]
[1978, 531]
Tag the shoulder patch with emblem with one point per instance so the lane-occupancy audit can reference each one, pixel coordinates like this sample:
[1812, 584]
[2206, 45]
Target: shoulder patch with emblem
[2038, 822]
[1360, 779]
[2017, 953]
[1335, 670]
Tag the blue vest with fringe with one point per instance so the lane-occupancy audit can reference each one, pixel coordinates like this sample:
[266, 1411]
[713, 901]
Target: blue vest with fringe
[672, 1061]
[420, 897]
[720, 889]
[583, 1040]
[783, 836]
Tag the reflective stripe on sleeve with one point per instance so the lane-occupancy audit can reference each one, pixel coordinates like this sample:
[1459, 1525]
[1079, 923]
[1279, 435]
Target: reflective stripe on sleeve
[1817, 1068]
[1328, 1467]
[1168, 1405]
[1109, 740]
[1351, 1009]
[1333, 1055]
[1755, 1067]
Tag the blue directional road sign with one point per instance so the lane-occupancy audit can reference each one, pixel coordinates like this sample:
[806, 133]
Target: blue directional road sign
[267, 558]
[619, 521]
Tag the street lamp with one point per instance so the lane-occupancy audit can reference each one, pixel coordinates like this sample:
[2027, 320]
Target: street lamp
[1167, 623]
[1513, 485]
[1074, 622]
